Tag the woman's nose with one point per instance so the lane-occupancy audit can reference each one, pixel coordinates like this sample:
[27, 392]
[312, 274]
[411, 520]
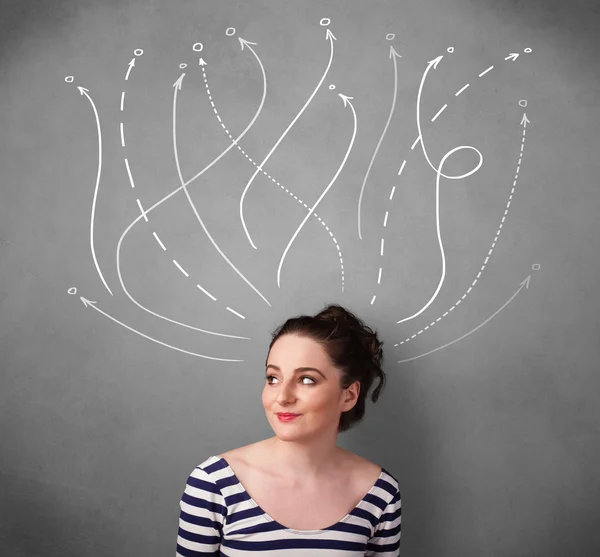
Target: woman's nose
[286, 391]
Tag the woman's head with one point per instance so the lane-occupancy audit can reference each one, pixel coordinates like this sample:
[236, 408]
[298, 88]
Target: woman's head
[349, 356]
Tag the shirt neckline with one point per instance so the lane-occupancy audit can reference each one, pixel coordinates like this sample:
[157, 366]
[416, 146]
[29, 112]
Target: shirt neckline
[271, 519]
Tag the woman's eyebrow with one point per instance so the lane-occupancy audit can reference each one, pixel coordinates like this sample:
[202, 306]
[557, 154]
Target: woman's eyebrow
[298, 369]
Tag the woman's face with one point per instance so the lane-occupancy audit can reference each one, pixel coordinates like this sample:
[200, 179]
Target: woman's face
[313, 393]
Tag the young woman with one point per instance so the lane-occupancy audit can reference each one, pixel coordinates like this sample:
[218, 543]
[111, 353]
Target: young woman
[298, 493]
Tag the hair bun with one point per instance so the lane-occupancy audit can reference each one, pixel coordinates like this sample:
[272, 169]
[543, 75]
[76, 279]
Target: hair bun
[334, 313]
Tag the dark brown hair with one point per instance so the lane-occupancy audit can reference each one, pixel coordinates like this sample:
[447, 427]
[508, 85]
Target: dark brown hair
[352, 347]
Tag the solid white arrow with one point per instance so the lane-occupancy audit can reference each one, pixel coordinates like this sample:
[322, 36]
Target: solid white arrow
[331, 38]
[89, 303]
[347, 102]
[244, 42]
[177, 87]
[84, 91]
[439, 234]
[178, 83]
[131, 64]
[168, 196]
[433, 64]
[525, 283]
[524, 120]
[393, 56]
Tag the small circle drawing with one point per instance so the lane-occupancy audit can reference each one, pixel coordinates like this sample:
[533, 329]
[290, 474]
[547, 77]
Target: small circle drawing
[332, 87]
[230, 31]
[450, 49]
[536, 266]
[325, 22]
[69, 79]
[523, 103]
[138, 52]
[528, 50]
[198, 47]
[72, 291]
[182, 66]
[390, 36]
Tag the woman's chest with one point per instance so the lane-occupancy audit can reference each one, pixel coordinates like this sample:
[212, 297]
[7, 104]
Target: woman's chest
[303, 509]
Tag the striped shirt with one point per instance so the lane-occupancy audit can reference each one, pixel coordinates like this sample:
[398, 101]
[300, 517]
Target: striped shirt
[218, 517]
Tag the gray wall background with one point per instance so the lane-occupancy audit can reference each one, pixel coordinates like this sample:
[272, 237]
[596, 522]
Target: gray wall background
[494, 438]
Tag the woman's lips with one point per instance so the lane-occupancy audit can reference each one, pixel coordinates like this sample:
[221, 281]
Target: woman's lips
[288, 417]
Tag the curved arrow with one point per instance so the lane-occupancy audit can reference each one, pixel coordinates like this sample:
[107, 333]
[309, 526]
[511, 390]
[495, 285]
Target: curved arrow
[524, 283]
[433, 64]
[393, 56]
[131, 64]
[331, 38]
[89, 303]
[158, 203]
[524, 122]
[177, 87]
[84, 91]
[292, 194]
[437, 220]
[346, 100]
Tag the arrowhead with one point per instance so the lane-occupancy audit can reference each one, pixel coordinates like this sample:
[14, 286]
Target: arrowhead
[393, 52]
[512, 56]
[525, 120]
[330, 35]
[179, 81]
[82, 89]
[244, 42]
[435, 62]
[526, 282]
[202, 62]
[345, 98]
[132, 63]
[86, 301]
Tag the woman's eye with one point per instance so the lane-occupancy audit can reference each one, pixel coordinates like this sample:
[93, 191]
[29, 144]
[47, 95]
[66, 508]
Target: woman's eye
[302, 378]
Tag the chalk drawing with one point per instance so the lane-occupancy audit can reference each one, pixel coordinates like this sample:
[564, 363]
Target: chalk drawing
[376, 164]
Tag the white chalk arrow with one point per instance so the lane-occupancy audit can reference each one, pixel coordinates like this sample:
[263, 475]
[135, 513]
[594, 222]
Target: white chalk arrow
[439, 235]
[131, 65]
[244, 42]
[512, 56]
[85, 91]
[345, 98]
[489, 253]
[394, 53]
[347, 102]
[206, 231]
[393, 56]
[525, 120]
[525, 284]
[88, 303]
[433, 64]
[261, 165]
[178, 83]
[177, 87]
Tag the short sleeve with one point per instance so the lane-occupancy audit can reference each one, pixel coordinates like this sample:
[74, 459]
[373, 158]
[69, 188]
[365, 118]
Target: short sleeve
[386, 538]
[203, 511]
